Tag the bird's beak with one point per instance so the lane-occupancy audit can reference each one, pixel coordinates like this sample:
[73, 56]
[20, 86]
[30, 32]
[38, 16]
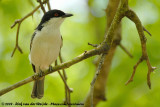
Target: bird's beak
[67, 15]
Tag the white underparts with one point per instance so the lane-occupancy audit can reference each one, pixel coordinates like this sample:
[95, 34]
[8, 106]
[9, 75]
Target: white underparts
[46, 44]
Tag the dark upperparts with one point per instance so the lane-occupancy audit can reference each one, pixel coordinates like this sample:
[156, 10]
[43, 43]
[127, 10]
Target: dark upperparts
[48, 15]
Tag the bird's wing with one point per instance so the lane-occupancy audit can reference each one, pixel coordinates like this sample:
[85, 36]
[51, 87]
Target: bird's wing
[32, 40]
[33, 66]
[62, 41]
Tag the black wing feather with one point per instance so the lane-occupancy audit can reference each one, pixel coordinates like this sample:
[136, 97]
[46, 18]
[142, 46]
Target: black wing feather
[33, 66]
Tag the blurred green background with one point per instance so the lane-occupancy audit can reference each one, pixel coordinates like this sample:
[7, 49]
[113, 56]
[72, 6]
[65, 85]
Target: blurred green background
[87, 25]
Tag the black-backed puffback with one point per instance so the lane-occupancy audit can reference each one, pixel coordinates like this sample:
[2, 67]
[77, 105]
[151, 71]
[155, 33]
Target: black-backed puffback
[45, 46]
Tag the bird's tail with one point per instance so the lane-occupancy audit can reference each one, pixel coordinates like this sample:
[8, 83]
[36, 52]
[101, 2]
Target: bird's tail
[38, 88]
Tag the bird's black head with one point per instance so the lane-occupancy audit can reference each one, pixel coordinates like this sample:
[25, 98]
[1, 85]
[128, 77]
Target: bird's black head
[54, 14]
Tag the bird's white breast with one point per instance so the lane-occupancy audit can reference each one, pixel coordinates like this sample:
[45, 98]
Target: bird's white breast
[45, 47]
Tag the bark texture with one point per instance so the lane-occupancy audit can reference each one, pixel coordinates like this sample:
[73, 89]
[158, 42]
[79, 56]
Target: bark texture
[100, 84]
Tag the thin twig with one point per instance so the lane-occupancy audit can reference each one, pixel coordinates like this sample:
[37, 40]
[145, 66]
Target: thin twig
[61, 60]
[134, 70]
[63, 78]
[42, 7]
[17, 46]
[94, 45]
[69, 98]
[29, 14]
[147, 31]
[19, 21]
[70, 90]
[95, 77]
[133, 17]
[125, 50]
[67, 92]
[67, 89]
[48, 5]
[150, 69]
[66, 95]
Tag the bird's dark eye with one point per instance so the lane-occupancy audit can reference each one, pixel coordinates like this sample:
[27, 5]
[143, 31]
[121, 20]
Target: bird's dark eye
[55, 14]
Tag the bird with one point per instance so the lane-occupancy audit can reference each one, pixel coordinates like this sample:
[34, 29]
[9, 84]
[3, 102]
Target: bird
[45, 45]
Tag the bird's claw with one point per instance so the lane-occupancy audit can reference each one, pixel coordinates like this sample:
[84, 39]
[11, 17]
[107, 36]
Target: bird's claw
[41, 73]
[50, 68]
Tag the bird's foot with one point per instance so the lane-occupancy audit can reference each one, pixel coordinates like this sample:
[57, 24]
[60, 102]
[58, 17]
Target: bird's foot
[50, 68]
[41, 73]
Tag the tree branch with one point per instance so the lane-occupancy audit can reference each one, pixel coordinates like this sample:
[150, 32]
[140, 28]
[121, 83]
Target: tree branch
[61, 60]
[100, 84]
[17, 46]
[134, 70]
[64, 78]
[48, 5]
[42, 7]
[95, 77]
[122, 10]
[147, 31]
[19, 21]
[133, 17]
[67, 91]
[93, 45]
[103, 48]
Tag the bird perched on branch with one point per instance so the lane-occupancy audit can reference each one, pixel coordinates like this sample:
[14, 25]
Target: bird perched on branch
[45, 46]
